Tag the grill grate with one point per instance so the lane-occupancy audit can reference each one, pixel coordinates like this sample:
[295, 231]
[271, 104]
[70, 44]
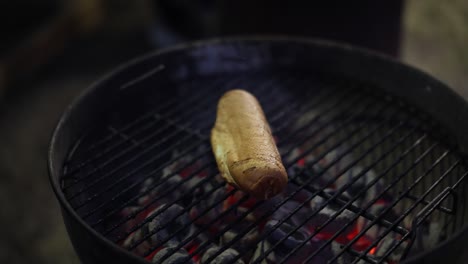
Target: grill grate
[129, 172]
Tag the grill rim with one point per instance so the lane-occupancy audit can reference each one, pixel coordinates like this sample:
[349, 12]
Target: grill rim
[56, 157]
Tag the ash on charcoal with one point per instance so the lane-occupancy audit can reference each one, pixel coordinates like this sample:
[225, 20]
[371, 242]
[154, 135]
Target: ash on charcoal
[189, 190]
[130, 210]
[204, 188]
[281, 232]
[180, 256]
[385, 245]
[293, 154]
[301, 196]
[344, 258]
[240, 203]
[429, 233]
[246, 243]
[185, 164]
[146, 185]
[434, 235]
[377, 209]
[361, 183]
[160, 187]
[260, 251]
[307, 171]
[288, 242]
[309, 123]
[226, 256]
[327, 212]
[286, 210]
[180, 162]
[214, 203]
[267, 207]
[336, 159]
[167, 223]
[189, 185]
[308, 176]
[136, 237]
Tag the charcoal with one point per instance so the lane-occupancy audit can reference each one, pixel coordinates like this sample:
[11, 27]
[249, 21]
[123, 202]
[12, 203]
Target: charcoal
[201, 237]
[287, 208]
[317, 169]
[132, 238]
[372, 258]
[194, 189]
[310, 175]
[160, 189]
[190, 190]
[344, 258]
[170, 183]
[282, 231]
[289, 243]
[147, 184]
[260, 252]
[434, 234]
[190, 183]
[377, 209]
[301, 196]
[307, 173]
[180, 256]
[129, 210]
[386, 244]
[245, 243]
[208, 186]
[226, 256]
[136, 237]
[214, 202]
[146, 199]
[172, 221]
[267, 207]
[361, 183]
[216, 199]
[375, 230]
[293, 154]
[429, 233]
[295, 173]
[327, 212]
[334, 160]
[233, 215]
[180, 162]
[325, 253]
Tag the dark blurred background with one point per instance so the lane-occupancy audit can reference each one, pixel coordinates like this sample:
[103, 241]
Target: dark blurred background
[51, 50]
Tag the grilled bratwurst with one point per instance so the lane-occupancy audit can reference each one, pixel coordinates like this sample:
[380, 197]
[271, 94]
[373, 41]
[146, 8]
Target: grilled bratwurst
[244, 148]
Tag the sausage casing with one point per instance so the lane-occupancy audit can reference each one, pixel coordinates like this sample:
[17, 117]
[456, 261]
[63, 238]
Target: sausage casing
[244, 148]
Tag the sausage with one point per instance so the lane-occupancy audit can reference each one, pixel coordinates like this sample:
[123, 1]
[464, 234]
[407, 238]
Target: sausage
[244, 148]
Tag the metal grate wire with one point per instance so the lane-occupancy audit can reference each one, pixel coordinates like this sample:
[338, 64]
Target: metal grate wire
[110, 164]
[149, 219]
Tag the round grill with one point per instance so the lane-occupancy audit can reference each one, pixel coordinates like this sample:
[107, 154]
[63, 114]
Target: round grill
[372, 179]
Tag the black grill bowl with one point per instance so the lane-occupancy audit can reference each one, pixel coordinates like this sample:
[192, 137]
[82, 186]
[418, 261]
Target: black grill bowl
[389, 118]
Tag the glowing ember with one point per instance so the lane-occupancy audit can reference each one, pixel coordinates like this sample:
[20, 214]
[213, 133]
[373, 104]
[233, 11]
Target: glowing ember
[221, 209]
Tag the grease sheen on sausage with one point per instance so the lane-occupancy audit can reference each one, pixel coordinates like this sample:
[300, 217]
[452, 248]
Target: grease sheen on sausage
[244, 148]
